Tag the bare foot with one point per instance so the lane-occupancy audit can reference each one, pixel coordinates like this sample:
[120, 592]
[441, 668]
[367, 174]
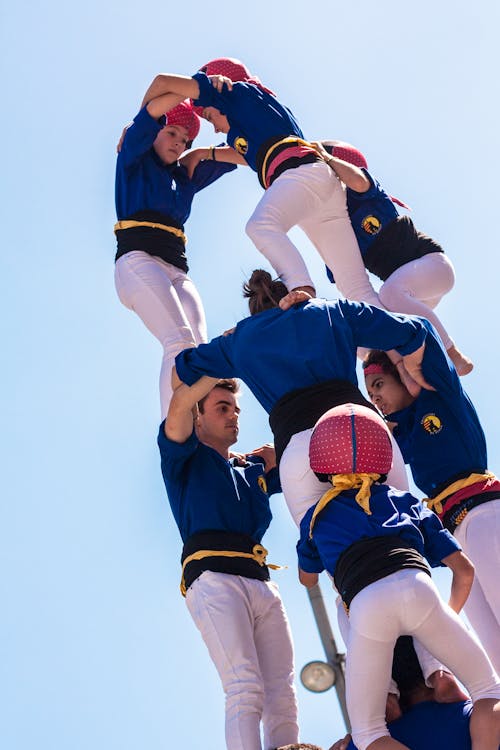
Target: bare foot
[463, 365]
[446, 687]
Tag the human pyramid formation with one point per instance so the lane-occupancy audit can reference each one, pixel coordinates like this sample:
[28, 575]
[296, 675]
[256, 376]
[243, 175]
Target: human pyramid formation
[333, 451]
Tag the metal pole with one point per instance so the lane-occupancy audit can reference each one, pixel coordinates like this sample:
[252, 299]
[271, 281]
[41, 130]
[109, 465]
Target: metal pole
[334, 658]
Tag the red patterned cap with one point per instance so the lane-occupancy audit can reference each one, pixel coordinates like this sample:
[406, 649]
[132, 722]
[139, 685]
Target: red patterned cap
[185, 116]
[349, 153]
[233, 69]
[350, 439]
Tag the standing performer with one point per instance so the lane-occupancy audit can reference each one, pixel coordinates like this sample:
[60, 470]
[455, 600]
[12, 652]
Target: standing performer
[372, 540]
[414, 268]
[442, 440]
[300, 188]
[298, 363]
[221, 506]
[153, 201]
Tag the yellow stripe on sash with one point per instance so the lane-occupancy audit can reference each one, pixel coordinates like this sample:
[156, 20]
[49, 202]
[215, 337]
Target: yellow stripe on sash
[258, 553]
[130, 224]
[289, 139]
[436, 503]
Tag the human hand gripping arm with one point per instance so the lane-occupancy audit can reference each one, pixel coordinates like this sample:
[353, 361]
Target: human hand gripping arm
[268, 453]
[352, 176]
[180, 417]
[463, 577]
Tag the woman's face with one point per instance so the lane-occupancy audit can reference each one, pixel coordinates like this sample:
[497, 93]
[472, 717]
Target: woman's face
[218, 120]
[170, 142]
[387, 393]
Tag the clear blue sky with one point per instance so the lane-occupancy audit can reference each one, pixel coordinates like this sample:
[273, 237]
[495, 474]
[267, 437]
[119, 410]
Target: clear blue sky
[97, 651]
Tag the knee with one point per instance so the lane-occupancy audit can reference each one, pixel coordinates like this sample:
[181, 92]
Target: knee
[391, 296]
[262, 221]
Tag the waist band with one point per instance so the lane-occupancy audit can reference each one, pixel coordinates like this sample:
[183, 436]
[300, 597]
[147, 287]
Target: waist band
[130, 224]
[154, 233]
[462, 495]
[223, 552]
[369, 560]
[276, 156]
[300, 409]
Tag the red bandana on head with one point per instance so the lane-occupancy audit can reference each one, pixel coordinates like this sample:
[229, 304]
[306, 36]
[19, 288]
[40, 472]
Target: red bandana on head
[349, 153]
[233, 69]
[185, 116]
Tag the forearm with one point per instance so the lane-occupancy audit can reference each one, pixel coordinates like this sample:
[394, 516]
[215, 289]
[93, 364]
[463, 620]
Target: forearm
[463, 577]
[350, 175]
[165, 83]
[179, 421]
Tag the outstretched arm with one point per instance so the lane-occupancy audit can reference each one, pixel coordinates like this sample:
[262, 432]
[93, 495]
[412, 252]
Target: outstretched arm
[184, 87]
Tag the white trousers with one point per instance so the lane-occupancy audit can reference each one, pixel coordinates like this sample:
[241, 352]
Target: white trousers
[302, 488]
[312, 197]
[405, 603]
[479, 535]
[167, 302]
[245, 628]
[418, 286]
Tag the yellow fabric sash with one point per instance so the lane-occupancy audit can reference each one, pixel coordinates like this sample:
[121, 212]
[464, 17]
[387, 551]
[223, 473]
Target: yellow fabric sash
[258, 553]
[343, 482]
[436, 503]
[130, 224]
[290, 139]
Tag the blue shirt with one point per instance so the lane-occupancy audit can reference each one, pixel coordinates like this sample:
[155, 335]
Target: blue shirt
[439, 434]
[432, 726]
[276, 352]
[343, 522]
[144, 182]
[254, 116]
[208, 493]
[370, 212]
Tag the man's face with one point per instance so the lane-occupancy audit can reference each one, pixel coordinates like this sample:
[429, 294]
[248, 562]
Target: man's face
[387, 393]
[218, 120]
[219, 421]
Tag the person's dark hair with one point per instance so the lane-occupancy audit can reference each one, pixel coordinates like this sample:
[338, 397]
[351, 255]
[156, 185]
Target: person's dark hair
[263, 292]
[227, 384]
[376, 357]
[406, 670]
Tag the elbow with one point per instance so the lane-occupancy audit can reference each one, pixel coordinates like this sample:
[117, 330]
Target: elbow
[361, 183]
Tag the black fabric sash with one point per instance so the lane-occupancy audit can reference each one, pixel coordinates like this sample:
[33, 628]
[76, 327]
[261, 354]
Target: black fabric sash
[371, 559]
[300, 409]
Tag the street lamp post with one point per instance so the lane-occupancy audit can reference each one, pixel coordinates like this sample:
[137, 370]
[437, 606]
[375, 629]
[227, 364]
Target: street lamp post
[318, 676]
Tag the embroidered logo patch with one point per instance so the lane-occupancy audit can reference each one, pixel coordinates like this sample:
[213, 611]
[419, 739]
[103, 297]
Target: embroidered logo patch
[371, 225]
[261, 481]
[241, 145]
[431, 424]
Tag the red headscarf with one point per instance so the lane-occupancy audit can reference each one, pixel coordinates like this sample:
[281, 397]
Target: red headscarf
[349, 153]
[233, 69]
[185, 116]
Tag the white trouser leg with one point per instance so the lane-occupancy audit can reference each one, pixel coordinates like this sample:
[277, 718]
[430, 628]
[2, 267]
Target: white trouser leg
[299, 483]
[417, 287]
[167, 302]
[245, 629]
[312, 197]
[406, 602]
[397, 477]
[479, 535]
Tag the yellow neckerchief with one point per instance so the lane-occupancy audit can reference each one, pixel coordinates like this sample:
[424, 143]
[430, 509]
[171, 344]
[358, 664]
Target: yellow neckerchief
[343, 482]
[258, 553]
[436, 503]
[130, 224]
[290, 139]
